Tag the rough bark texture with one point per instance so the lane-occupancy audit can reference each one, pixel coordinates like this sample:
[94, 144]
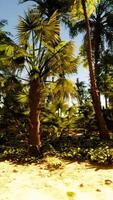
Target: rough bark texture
[34, 104]
[94, 90]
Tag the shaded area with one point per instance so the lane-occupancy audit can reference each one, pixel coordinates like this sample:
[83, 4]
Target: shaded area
[79, 147]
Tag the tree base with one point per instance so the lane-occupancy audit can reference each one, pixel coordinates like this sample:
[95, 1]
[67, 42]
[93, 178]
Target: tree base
[35, 151]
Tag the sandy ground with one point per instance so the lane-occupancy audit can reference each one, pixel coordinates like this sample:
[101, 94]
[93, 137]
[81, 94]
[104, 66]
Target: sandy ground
[72, 181]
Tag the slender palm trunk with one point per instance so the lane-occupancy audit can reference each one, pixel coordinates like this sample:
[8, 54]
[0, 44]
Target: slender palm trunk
[97, 40]
[34, 104]
[94, 90]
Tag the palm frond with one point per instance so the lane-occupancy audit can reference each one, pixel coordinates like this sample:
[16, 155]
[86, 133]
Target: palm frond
[26, 25]
[64, 59]
[3, 23]
[64, 88]
[77, 10]
[44, 29]
[22, 97]
[75, 28]
[50, 30]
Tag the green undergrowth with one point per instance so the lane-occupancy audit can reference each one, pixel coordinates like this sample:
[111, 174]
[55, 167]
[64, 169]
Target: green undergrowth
[19, 155]
[86, 148]
[76, 148]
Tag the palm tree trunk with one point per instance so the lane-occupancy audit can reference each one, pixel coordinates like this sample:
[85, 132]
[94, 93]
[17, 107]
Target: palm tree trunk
[94, 90]
[34, 104]
[97, 40]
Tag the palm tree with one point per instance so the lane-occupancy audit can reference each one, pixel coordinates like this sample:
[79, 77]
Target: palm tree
[48, 7]
[40, 37]
[101, 28]
[83, 5]
[94, 90]
[81, 11]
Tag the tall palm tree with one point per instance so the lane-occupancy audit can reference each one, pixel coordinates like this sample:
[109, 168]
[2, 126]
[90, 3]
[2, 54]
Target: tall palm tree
[94, 90]
[101, 28]
[81, 11]
[40, 37]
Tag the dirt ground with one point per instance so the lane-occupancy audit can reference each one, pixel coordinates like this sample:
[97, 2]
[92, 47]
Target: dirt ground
[72, 181]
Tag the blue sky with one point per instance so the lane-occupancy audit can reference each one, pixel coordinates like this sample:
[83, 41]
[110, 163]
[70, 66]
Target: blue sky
[10, 10]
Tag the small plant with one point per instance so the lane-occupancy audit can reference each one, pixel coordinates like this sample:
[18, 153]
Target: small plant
[53, 163]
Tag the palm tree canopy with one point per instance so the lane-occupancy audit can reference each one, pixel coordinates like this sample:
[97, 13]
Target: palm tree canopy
[77, 10]
[46, 30]
[50, 54]
[98, 18]
[48, 7]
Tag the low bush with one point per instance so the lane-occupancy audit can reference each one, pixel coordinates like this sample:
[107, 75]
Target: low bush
[101, 155]
[17, 155]
[77, 148]
[90, 148]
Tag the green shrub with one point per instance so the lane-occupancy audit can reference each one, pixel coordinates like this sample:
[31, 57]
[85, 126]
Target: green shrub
[53, 163]
[101, 155]
[86, 147]
[76, 148]
[17, 155]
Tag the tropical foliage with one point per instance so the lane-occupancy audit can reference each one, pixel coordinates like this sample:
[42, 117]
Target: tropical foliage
[41, 109]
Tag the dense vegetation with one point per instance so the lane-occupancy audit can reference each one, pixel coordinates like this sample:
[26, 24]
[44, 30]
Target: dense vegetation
[41, 110]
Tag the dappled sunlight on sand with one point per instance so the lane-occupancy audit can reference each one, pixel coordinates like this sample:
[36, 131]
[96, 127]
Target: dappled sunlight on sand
[73, 181]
